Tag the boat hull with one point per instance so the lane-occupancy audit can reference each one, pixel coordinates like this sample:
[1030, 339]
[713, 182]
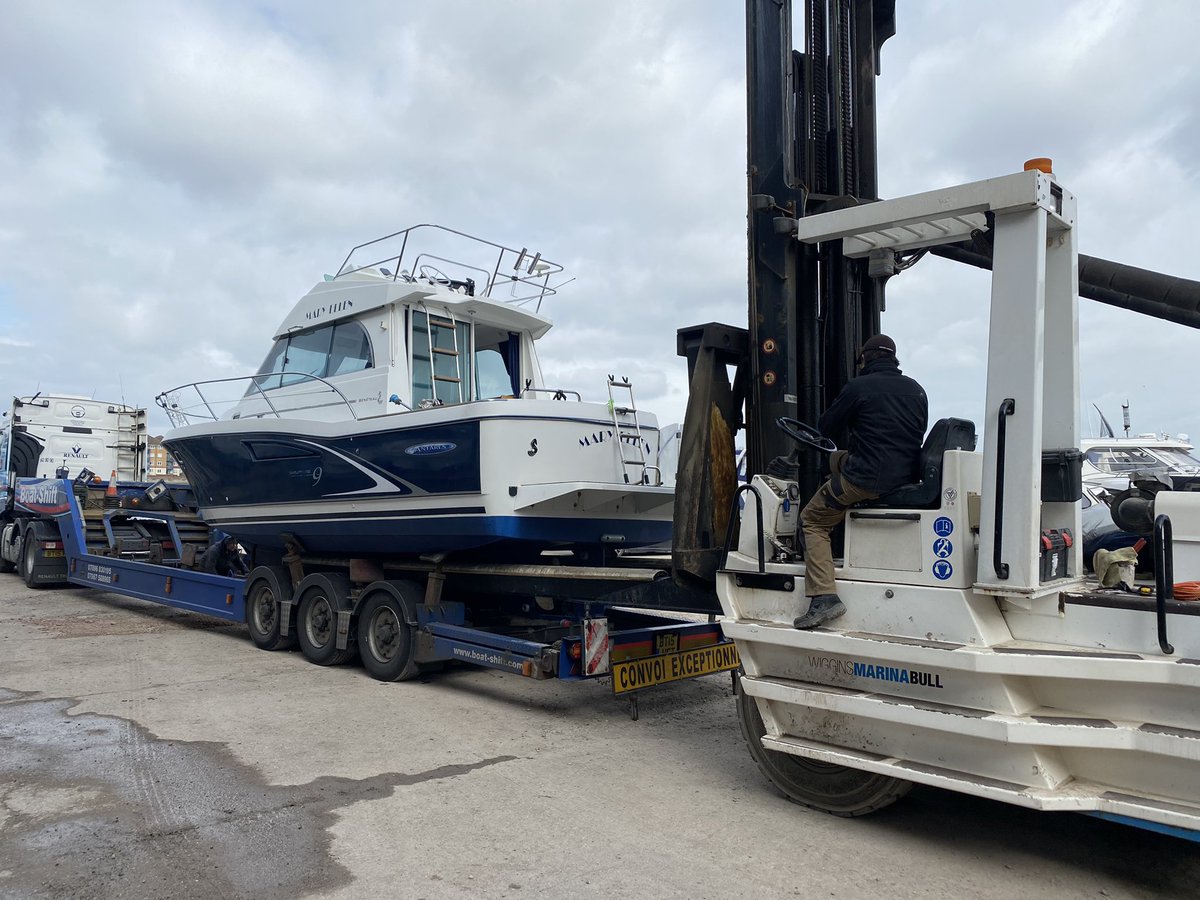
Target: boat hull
[535, 473]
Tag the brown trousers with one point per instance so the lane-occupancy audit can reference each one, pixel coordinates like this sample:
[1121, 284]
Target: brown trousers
[824, 512]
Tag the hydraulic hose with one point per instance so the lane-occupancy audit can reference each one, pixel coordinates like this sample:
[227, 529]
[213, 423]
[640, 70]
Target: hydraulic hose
[1128, 287]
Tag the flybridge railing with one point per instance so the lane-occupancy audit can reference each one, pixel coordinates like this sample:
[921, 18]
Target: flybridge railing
[494, 268]
[206, 401]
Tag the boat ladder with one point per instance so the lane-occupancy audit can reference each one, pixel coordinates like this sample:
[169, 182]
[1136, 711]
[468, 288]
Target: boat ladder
[627, 432]
[445, 322]
[130, 443]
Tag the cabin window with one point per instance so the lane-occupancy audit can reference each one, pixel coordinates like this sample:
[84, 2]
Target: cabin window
[351, 349]
[307, 354]
[497, 363]
[1122, 460]
[441, 356]
[491, 374]
[328, 351]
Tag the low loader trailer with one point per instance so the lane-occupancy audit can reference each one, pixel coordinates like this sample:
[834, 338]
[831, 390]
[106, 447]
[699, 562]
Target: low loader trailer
[399, 617]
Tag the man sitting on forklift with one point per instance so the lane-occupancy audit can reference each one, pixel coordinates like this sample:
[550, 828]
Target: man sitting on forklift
[884, 414]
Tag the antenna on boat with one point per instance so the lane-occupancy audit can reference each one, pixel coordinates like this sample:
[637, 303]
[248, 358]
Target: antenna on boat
[1105, 428]
[1125, 416]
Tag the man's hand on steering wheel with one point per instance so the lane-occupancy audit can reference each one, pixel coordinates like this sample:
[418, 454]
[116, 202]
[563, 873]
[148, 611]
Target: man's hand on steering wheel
[805, 435]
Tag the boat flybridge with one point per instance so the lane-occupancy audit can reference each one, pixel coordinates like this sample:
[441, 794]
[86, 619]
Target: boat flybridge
[402, 410]
[974, 655]
[1111, 463]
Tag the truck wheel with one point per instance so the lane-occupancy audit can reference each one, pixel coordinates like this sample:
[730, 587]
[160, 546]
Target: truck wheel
[264, 589]
[316, 626]
[386, 641]
[29, 559]
[830, 788]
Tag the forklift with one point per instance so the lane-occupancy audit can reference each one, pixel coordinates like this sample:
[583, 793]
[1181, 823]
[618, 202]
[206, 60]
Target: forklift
[974, 655]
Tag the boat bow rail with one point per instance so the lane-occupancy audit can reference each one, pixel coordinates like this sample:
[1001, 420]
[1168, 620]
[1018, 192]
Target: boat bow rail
[205, 401]
[437, 255]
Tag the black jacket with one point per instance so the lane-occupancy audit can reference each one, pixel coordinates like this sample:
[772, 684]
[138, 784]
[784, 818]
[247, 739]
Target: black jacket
[884, 413]
[220, 561]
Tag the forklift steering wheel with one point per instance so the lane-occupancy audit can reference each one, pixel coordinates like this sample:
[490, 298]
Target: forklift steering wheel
[805, 434]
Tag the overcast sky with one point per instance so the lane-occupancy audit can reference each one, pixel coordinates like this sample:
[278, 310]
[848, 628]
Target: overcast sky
[175, 175]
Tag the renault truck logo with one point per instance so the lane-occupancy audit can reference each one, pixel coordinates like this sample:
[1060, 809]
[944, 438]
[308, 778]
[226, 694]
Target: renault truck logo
[78, 412]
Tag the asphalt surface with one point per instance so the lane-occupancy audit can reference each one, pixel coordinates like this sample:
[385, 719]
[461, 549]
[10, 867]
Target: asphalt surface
[149, 753]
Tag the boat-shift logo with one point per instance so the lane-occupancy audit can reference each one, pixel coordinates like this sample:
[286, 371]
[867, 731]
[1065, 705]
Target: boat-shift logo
[430, 448]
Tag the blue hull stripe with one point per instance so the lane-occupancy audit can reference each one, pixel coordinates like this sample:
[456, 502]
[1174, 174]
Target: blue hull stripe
[375, 537]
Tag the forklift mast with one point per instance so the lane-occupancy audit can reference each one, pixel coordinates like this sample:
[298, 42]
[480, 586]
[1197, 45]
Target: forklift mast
[811, 147]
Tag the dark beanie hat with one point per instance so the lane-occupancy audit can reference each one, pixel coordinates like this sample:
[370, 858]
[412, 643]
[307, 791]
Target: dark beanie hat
[879, 344]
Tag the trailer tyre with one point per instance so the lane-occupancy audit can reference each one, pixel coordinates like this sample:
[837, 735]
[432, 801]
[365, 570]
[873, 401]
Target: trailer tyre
[387, 641]
[839, 790]
[316, 620]
[265, 587]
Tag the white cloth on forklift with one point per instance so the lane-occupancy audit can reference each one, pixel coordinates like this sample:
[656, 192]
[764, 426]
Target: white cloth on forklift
[1115, 566]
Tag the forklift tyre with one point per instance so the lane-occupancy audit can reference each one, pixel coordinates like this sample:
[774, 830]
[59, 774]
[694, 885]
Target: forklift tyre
[265, 587]
[839, 790]
[321, 595]
[387, 641]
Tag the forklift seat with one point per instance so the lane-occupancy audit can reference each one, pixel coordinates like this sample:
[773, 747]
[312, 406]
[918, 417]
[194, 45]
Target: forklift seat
[946, 434]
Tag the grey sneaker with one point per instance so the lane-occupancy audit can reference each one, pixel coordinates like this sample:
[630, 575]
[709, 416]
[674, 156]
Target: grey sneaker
[822, 608]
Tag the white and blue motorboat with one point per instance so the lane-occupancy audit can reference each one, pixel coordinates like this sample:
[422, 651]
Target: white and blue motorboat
[402, 410]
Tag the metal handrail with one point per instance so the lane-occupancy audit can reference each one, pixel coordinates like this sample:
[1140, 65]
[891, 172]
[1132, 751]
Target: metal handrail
[1164, 577]
[559, 393]
[180, 417]
[733, 509]
[536, 275]
[1007, 407]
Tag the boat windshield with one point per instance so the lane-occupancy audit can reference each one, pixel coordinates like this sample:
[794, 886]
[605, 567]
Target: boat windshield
[339, 348]
[1121, 460]
[1180, 460]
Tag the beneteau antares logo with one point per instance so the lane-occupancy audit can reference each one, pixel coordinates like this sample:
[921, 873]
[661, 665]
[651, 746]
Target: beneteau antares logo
[430, 448]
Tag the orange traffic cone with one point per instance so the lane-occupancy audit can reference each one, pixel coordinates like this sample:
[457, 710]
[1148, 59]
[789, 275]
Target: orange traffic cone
[110, 493]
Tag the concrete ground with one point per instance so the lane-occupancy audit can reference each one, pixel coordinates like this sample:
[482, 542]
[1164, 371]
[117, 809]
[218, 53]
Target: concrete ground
[150, 753]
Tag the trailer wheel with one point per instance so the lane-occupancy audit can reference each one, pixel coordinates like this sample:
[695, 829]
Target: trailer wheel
[839, 790]
[316, 626]
[386, 641]
[264, 589]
